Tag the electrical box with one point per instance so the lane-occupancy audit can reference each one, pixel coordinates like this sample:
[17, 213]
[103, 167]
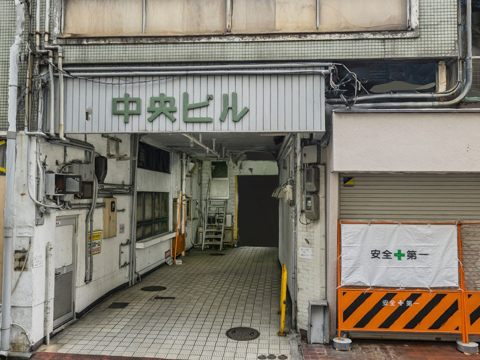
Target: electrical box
[84, 170]
[312, 208]
[62, 184]
[311, 154]
[110, 218]
[312, 179]
[318, 324]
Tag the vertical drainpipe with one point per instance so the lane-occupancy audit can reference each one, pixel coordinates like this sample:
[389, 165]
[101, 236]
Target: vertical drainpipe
[133, 224]
[9, 230]
[298, 165]
[183, 199]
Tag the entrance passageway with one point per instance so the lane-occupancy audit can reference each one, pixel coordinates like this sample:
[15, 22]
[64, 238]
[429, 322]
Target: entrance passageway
[204, 297]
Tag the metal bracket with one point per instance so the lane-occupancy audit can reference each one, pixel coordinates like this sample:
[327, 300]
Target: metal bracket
[126, 263]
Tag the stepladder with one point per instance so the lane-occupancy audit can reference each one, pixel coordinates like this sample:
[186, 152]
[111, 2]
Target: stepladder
[214, 223]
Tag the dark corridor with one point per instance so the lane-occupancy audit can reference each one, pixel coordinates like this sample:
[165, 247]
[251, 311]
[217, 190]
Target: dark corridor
[257, 211]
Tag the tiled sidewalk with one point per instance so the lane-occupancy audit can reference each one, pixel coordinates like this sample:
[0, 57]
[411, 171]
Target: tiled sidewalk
[212, 294]
[387, 350]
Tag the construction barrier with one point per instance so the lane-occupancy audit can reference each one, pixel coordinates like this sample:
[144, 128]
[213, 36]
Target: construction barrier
[473, 312]
[410, 311]
[400, 311]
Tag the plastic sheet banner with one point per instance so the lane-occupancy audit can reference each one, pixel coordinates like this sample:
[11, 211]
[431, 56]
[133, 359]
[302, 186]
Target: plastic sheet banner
[399, 256]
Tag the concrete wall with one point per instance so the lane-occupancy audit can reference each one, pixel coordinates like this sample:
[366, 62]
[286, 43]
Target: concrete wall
[406, 142]
[306, 276]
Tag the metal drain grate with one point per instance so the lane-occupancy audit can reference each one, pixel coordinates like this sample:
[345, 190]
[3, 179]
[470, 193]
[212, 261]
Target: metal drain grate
[216, 254]
[118, 305]
[164, 298]
[154, 288]
[243, 334]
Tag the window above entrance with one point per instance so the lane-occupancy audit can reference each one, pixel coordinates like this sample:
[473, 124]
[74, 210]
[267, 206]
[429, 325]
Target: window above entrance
[234, 17]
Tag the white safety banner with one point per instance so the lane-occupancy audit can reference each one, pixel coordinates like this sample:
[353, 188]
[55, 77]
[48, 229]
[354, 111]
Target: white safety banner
[399, 256]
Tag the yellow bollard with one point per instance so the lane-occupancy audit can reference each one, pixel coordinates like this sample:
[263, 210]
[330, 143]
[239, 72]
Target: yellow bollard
[283, 300]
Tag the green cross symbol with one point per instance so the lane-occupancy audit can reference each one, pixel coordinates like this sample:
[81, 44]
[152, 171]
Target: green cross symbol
[399, 255]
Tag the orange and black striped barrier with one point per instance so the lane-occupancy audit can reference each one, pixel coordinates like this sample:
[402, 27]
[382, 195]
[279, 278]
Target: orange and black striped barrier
[473, 312]
[400, 311]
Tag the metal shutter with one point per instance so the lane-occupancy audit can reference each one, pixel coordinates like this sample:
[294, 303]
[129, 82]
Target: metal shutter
[410, 197]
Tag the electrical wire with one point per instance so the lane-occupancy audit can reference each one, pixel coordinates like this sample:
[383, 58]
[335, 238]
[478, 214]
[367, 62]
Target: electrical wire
[124, 82]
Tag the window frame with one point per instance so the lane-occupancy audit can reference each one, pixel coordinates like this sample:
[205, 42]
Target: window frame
[411, 31]
[154, 220]
[153, 158]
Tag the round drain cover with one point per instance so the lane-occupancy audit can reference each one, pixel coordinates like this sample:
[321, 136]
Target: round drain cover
[217, 254]
[283, 357]
[243, 334]
[271, 356]
[154, 288]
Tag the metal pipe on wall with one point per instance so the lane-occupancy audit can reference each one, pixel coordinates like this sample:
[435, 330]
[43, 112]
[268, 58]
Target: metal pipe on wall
[200, 72]
[198, 67]
[47, 292]
[133, 224]
[9, 213]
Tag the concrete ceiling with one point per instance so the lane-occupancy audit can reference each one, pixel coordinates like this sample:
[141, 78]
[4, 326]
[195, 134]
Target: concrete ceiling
[233, 142]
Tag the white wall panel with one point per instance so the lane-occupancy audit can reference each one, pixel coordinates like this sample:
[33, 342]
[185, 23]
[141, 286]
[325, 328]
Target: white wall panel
[276, 103]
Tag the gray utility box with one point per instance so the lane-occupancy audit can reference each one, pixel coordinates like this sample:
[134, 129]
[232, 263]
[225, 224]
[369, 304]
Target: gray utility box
[311, 154]
[318, 322]
[312, 179]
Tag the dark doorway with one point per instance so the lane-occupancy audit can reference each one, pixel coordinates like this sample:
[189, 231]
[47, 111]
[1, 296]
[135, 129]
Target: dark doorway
[257, 211]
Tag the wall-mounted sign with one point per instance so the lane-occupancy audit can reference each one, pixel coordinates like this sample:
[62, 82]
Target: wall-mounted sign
[97, 242]
[305, 253]
[158, 106]
[192, 104]
[399, 256]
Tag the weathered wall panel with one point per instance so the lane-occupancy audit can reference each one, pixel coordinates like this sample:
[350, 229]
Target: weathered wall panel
[275, 102]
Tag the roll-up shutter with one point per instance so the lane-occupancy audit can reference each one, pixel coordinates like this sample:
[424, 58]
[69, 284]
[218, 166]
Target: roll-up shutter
[415, 197]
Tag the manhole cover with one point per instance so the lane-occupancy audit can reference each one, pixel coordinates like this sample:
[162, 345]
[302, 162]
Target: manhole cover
[217, 254]
[118, 305]
[164, 298]
[243, 334]
[271, 356]
[283, 357]
[154, 288]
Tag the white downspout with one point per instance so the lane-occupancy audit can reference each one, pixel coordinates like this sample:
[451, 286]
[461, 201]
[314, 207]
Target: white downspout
[9, 230]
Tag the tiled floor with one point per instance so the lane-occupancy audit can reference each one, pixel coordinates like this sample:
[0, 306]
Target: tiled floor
[387, 350]
[212, 294]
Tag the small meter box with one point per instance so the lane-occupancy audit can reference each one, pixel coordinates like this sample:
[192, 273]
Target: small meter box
[312, 209]
[312, 179]
[110, 218]
[311, 154]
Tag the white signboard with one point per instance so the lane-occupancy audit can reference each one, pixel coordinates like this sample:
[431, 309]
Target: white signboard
[229, 103]
[305, 253]
[399, 256]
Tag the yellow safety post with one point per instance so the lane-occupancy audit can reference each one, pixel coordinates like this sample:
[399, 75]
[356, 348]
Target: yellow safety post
[283, 300]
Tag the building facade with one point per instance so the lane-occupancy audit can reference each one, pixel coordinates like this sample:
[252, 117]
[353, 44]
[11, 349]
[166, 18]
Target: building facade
[357, 105]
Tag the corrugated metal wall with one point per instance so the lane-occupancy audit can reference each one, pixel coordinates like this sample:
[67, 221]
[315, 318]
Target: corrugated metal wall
[276, 103]
[416, 197]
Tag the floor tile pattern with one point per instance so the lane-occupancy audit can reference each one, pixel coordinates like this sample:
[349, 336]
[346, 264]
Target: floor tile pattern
[212, 294]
